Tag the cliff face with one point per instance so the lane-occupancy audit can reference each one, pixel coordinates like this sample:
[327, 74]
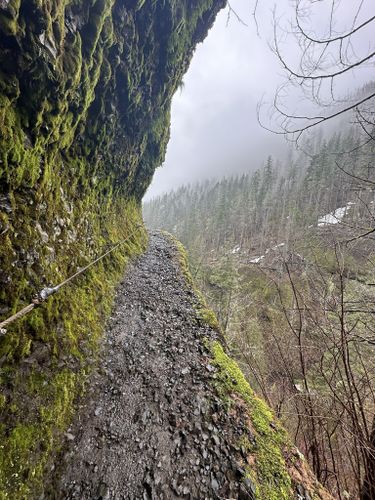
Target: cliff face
[92, 81]
[85, 92]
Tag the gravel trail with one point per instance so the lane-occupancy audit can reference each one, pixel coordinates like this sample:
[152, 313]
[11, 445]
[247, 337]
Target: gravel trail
[151, 425]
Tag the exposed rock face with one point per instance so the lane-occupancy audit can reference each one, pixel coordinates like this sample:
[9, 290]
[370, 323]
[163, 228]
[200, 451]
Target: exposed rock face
[85, 91]
[93, 80]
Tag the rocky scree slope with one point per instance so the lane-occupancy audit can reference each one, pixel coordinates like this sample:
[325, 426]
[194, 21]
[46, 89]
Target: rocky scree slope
[85, 91]
[169, 414]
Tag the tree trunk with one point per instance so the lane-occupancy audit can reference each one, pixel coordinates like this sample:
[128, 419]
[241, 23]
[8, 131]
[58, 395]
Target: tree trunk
[368, 487]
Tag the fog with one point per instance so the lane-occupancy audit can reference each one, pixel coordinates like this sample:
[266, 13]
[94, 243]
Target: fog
[214, 126]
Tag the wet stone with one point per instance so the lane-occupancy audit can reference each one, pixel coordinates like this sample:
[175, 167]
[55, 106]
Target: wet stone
[153, 426]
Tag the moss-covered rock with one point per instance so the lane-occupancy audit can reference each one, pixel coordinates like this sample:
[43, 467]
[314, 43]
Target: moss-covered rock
[85, 92]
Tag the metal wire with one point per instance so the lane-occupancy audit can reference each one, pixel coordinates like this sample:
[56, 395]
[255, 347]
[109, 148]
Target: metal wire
[47, 292]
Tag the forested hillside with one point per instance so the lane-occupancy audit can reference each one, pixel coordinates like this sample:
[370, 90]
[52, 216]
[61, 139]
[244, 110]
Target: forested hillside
[284, 256]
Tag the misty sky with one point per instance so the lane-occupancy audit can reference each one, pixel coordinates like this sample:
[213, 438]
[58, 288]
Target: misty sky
[214, 128]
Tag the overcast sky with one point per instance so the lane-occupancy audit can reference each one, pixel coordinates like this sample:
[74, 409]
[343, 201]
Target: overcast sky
[214, 128]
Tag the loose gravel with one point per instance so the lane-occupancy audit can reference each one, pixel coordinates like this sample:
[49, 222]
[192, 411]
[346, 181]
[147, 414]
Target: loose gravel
[152, 426]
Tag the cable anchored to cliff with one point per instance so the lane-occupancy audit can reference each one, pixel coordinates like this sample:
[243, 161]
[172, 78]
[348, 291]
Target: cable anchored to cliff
[47, 292]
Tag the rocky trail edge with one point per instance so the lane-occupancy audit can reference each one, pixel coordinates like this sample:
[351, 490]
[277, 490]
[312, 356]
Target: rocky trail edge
[155, 423]
[152, 425]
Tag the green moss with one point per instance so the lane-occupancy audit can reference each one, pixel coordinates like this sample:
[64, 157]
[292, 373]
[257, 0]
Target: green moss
[84, 122]
[26, 450]
[271, 464]
[269, 472]
[205, 314]
[42, 400]
[9, 18]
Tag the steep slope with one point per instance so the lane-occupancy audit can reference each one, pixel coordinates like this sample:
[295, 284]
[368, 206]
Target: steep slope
[85, 91]
[286, 262]
[169, 413]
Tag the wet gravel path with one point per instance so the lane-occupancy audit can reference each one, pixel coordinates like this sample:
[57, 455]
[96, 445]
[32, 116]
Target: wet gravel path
[152, 426]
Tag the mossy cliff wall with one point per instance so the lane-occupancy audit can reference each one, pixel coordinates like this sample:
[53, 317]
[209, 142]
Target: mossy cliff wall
[85, 92]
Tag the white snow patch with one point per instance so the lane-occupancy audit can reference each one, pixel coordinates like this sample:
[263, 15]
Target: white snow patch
[336, 216]
[256, 260]
[274, 248]
[278, 246]
[236, 249]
